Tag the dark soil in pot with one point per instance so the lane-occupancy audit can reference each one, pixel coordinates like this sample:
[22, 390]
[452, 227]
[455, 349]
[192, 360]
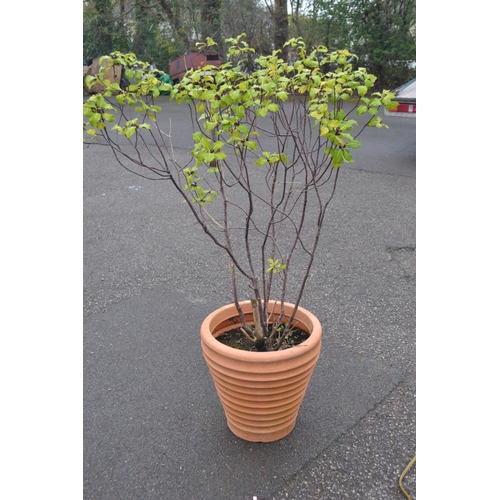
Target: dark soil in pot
[238, 340]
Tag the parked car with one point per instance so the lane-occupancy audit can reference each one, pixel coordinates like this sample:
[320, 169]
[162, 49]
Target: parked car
[179, 66]
[406, 96]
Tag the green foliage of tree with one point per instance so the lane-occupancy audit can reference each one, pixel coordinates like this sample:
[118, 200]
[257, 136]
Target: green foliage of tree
[326, 22]
[381, 32]
[103, 31]
[383, 38]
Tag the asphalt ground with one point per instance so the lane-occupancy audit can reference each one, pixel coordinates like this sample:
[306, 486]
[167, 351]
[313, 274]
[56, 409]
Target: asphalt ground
[153, 425]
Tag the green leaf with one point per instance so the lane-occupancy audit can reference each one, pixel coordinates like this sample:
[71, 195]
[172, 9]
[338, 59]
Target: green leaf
[205, 143]
[243, 129]
[309, 63]
[262, 112]
[354, 144]
[275, 266]
[339, 140]
[387, 100]
[240, 112]
[337, 157]
[208, 95]
[94, 119]
[375, 122]
[347, 155]
[316, 115]
[209, 126]
[114, 87]
[221, 155]
[197, 136]
[362, 90]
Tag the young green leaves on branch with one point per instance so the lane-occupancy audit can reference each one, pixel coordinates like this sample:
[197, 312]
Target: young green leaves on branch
[275, 266]
[193, 184]
[142, 84]
[230, 102]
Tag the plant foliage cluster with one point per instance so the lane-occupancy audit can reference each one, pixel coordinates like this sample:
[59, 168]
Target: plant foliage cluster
[267, 148]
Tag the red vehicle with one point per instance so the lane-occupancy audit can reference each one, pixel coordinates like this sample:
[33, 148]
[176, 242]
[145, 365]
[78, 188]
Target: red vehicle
[179, 66]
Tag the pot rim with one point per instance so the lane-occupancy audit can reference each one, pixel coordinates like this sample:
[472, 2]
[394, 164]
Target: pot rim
[303, 316]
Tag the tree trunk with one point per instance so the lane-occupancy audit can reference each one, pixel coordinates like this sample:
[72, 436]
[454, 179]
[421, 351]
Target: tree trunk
[280, 25]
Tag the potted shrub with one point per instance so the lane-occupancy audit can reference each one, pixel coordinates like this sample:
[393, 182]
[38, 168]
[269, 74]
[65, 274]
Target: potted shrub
[267, 148]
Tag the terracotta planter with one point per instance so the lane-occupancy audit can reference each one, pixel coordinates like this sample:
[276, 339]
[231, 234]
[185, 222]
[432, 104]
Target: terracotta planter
[261, 392]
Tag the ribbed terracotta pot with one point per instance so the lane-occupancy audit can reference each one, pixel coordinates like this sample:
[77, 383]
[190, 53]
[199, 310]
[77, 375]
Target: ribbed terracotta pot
[261, 392]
